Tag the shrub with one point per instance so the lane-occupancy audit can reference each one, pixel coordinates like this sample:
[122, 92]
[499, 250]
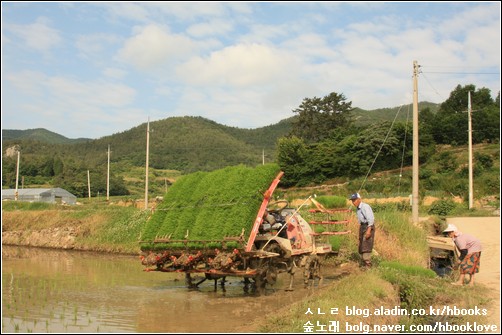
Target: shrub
[442, 207]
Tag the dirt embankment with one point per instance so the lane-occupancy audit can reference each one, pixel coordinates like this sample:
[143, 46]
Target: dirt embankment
[47, 229]
[60, 238]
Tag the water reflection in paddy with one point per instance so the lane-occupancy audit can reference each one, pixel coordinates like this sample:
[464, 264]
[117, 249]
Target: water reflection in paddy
[56, 291]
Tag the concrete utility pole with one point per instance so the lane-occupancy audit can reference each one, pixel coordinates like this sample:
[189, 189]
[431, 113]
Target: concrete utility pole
[263, 157]
[16, 195]
[471, 192]
[108, 177]
[147, 154]
[414, 199]
[89, 183]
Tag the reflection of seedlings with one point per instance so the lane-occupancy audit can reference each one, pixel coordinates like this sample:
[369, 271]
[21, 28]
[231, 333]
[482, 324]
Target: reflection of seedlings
[47, 325]
[16, 328]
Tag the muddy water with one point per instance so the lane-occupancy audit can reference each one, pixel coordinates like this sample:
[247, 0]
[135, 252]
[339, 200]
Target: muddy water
[81, 292]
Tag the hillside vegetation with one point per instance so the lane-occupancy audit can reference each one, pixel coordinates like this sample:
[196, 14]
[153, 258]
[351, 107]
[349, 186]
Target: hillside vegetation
[178, 145]
[400, 278]
[337, 144]
[40, 135]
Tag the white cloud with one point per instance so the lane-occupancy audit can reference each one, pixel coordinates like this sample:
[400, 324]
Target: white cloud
[126, 10]
[96, 46]
[190, 10]
[38, 35]
[114, 73]
[55, 101]
[239, 65]
[154, 46]
[210, 28]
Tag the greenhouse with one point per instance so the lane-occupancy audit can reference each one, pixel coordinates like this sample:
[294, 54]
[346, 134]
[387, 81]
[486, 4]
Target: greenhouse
[49, 195]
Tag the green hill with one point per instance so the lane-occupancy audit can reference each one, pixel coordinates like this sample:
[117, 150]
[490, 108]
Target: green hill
[177, 146]
[364, 117]
[38, 134]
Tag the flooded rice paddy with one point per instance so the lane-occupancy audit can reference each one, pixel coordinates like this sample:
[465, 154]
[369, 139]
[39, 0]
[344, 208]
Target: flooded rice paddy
[52, 291]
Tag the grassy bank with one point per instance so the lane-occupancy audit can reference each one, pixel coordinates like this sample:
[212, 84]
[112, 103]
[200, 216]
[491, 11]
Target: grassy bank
[398, 289]
[107, 228]
[400, 278]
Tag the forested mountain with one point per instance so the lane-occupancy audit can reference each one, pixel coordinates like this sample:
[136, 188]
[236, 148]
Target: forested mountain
[263, 136]
[38, 134]
[325, 139]
[185, 144]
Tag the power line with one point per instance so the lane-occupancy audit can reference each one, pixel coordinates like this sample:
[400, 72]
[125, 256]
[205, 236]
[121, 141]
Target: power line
[433, 88]
[448, 72]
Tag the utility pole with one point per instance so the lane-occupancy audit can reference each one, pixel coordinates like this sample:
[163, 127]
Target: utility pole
[414, 196]
[469, 110]
[108, 177]
[89, 183]
[263, 157]
[16, 195]
[147, 154]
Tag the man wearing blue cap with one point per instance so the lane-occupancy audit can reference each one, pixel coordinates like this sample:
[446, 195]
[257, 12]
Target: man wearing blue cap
[366, 228]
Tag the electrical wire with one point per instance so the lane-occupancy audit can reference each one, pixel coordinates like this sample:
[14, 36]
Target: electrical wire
[380, 149]
[404, 147]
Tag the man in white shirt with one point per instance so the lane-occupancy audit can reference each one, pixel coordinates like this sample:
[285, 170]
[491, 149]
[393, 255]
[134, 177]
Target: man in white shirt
[366, 228]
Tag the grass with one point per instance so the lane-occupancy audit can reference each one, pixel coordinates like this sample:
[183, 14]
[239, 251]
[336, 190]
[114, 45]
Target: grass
[400, 278]
[357, 299]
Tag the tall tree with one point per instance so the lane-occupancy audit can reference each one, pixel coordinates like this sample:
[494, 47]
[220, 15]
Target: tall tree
[293, 158]
[451, 123]
[318, 117]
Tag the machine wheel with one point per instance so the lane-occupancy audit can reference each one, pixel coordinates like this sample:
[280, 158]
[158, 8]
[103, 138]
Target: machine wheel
[312, 270]
[259, 283]
[267, 269]
[271, 275]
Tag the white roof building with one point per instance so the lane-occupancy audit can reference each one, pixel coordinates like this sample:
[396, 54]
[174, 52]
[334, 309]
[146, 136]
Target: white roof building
[50, 195]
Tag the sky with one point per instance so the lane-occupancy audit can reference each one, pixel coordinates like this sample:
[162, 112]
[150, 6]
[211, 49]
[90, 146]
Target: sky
[94, 69]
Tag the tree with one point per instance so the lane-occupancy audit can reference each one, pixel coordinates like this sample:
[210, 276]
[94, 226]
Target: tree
[376, 146]
[292, 157]
[451, 123]
[318, 117]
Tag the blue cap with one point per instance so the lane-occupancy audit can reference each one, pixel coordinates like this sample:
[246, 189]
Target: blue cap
[355, 196]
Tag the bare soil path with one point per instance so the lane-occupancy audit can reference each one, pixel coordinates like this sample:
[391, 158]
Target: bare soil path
[487, 230]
